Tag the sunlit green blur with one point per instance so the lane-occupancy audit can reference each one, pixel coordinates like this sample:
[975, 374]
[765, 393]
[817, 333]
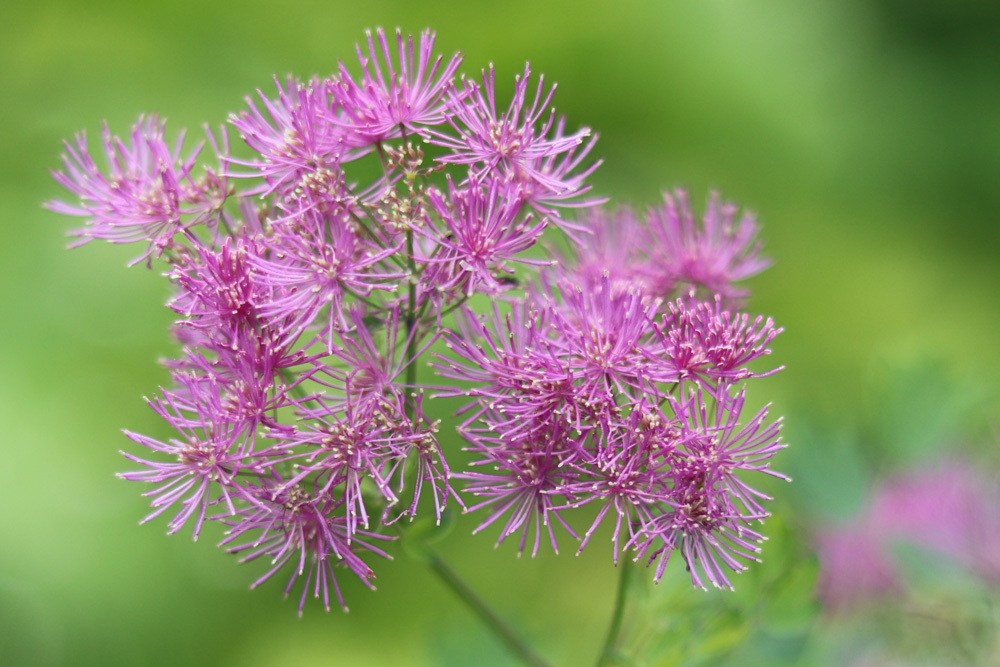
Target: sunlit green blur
[866, 135]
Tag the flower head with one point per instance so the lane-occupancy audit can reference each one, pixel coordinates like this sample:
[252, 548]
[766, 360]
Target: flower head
[292, 136]
[292, 528]
[949, 508]
[702, 340]
[483, 230]
[314, 265]
[522, 143]
[203, 463]
[297, 406]
[708, 507]
[140, 198]
[394, 94]
[615, 246]
[525, 484]
[710, 256]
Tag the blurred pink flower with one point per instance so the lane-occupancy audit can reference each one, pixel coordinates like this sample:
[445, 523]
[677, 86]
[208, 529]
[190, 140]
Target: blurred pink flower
[949, 508]
[853, 567]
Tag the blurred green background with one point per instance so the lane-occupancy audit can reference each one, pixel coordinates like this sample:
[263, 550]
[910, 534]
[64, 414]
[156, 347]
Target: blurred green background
[866, 135]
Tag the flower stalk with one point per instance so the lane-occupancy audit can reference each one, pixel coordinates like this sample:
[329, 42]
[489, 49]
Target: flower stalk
[500, 629]
[609, 649]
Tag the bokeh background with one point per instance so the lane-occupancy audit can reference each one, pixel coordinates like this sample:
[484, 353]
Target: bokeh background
[865, 134]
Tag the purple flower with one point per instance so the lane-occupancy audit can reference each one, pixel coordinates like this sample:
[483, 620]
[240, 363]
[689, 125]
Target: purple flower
[430, 467]
[314, 265]
[615, 245]
[384, 103]
[361, 368]
[293, 136]
[854, 568]
[715, 437]
[226, 334]
[514, 368]
[139, 199]
[705, 507]
[525, 483]
[604, 334]
[364, 443]
[218, 290]
[702, 341]
[626, 470]
[249, 393]
[948, 507]
[293, 528]
[376, 431]
[710, 256]
[667, 253]
[568, 173]
[515, 142]
[482, 231]
[296, 404]
[222, 296]
[204, 461]
[565, 412]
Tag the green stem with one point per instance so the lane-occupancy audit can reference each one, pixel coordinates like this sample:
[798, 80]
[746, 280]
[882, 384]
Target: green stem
[373, 236]
[455, 306]
[363, 299]
[289, 379]
[609, 650]
[497, 625]
[410, 322]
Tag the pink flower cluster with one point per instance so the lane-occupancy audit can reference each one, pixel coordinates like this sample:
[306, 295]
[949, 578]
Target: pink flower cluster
[592, 391]
[311, 276]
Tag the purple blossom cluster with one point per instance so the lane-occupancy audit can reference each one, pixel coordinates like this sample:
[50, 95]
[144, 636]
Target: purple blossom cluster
[315, 268]
[596, 389]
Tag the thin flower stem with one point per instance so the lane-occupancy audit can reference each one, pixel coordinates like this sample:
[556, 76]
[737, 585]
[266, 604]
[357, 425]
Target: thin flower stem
[609, 649]
[291, 385]
[500, 629]
[224, 221]
[411, 322]
[368, 302]
[453, 307]
[670, 392]
[374, 237]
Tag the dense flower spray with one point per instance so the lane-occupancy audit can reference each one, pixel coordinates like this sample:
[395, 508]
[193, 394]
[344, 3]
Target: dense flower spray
[610, 377]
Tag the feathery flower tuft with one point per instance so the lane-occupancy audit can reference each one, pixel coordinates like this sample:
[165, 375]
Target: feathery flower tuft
[141, 198]
[482, 230]
[709, 257]
[206, 460]
[521, 143]
[391, 99]
[292, 135]
[293, 529]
